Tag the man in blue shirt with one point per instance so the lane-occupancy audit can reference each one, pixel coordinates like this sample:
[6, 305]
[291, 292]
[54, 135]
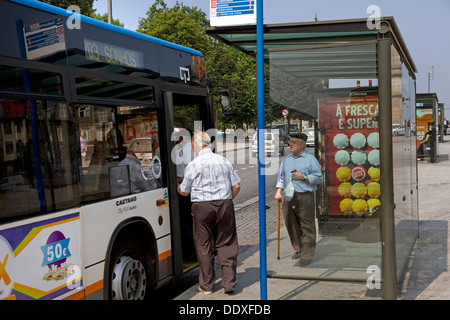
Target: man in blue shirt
[304, 171]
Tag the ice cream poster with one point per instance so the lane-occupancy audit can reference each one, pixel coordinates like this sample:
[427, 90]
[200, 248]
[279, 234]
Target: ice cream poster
[349, 153]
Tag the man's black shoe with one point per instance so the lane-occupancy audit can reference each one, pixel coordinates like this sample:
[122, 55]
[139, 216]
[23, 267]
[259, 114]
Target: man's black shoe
[296, 255]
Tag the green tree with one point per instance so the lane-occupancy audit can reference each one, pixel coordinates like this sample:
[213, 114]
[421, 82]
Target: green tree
[104, 18]
[86, 6]
[185, 26]
[177, 25]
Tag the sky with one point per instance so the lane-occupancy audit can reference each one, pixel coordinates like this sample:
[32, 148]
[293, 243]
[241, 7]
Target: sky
[424, 26]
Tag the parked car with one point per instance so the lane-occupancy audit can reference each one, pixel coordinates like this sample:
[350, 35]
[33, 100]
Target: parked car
[283, 134]
[311, 138]
[270, 144]
[398, 130]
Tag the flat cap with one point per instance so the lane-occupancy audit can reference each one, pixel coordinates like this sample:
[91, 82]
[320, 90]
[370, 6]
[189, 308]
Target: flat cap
[299, 135]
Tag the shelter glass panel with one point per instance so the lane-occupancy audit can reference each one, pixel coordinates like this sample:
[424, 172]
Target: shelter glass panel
[330, 93]
[404, 160]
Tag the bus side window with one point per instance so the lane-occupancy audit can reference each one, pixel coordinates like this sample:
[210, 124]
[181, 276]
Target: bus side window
[103, 152]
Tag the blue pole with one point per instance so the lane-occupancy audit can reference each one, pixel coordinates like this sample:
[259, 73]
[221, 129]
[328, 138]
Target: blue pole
[261, 151]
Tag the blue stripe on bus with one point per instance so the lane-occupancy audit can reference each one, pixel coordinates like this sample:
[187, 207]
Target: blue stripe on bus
[56, 10]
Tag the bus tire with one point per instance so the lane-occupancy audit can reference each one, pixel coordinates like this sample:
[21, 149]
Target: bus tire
[129, 276]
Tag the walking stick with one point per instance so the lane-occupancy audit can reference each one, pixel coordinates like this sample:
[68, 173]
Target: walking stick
[278, 256]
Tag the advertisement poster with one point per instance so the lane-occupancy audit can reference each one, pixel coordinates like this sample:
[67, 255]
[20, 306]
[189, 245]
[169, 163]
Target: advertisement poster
[40, 260]
[349, 152]
[423, 116]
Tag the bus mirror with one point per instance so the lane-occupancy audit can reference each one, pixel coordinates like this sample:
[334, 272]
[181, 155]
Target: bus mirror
[225, 100]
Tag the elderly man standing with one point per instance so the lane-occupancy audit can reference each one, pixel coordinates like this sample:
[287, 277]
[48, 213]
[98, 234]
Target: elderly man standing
[212, 183]
[299, 212]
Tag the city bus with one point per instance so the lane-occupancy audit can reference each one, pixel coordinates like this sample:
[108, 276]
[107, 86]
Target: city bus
[76, 95]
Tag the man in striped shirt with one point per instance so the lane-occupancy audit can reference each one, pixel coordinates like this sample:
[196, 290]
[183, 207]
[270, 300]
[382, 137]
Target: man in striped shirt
[212, 183]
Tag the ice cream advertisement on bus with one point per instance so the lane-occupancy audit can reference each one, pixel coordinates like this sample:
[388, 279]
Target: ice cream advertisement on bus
[349, 152]
[40, 260]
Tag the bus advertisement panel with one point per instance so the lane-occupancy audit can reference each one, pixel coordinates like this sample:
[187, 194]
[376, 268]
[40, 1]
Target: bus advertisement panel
[348, 152]
[42, 259]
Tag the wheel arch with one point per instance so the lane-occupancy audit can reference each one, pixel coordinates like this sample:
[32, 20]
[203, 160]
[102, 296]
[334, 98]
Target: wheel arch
[141, 230]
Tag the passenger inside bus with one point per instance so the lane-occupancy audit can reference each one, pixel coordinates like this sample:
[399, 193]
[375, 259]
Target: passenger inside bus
[141, 178]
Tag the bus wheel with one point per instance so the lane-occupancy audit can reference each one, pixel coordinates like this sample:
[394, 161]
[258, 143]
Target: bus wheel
[129, 281]
[128, 271]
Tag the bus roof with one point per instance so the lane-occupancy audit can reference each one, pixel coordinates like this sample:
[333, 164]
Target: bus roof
[56, 10]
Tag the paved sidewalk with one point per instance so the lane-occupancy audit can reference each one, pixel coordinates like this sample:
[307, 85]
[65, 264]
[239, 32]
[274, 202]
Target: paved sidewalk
[426, 277]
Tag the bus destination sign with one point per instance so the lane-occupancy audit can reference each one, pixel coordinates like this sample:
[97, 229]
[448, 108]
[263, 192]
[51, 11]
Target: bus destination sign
[104, 52]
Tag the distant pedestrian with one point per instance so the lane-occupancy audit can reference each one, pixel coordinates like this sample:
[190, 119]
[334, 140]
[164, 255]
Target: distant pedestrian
[212, 183]
[83, 144]
[446, 125]
[304, 171]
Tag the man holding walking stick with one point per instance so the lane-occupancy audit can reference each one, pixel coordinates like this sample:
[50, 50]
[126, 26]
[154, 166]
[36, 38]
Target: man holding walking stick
[304, 171]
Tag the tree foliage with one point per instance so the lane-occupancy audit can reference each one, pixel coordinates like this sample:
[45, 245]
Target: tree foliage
[86, 6]
[178, 25]
[185, 26]
[104, 18]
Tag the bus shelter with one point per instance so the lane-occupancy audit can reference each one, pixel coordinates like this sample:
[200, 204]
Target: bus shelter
[428, 121]
[357, 82]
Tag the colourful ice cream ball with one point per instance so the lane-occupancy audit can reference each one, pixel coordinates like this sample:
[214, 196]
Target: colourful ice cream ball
[345, 189]
[358, 140]
[374, 173]
[346, 205]
[358, 157]
[373, 140]
[359, 206]
[343, 173]
[373, 189]
[359, 190]
[374, 157]
[340, 141]
[342, 157]
[372, 203]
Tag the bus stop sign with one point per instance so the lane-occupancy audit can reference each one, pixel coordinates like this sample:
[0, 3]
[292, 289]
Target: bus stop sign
[232, 12]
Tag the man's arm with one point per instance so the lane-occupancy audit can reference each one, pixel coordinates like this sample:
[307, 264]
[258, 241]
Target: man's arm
[280, 183]
[278, 195]
[181, 192]
[235, 190]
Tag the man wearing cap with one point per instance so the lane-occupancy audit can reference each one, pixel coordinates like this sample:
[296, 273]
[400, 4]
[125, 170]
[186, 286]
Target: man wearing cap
[299, 212]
